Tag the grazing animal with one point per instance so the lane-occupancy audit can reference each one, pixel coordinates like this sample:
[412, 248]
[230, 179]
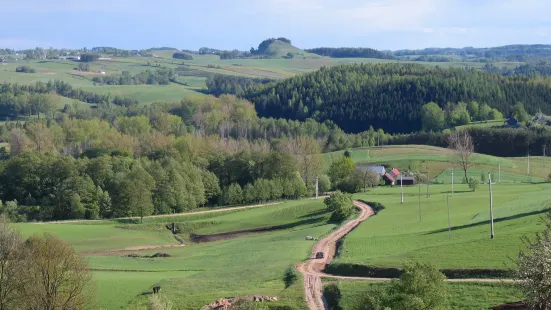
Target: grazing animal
[156, 289]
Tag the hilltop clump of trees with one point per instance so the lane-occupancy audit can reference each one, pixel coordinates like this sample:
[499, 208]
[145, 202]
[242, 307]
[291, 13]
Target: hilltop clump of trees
[25, 69]
[390, 96]
[182, 55]
[263, 46]
[350, 52]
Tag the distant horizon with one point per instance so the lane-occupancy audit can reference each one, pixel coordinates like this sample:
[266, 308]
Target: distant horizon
[292, 42]
[242, 24]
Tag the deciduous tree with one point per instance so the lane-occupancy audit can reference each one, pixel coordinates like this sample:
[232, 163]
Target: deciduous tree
[461, 143]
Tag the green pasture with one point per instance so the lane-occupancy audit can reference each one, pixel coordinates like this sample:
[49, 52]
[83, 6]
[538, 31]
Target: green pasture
[461, 296]
[483, 124]
[397, 233]
[89, 238]
[439, 162]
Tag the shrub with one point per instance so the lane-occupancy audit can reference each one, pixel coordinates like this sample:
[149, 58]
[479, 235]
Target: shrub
[332, 294]
[181, 55]
[25, 69]
[473, 184]
[341, 205]
[549, 177]
[290, 277]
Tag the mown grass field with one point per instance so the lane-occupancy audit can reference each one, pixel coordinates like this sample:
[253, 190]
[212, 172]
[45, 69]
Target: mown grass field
[196, 274]
[397, 233]
[461, 296]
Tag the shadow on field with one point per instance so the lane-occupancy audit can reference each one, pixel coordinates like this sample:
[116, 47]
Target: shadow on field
[501, 219]
[243, 233]
[317, 213]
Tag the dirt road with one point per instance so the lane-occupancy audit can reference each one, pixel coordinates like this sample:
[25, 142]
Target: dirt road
[313, 269]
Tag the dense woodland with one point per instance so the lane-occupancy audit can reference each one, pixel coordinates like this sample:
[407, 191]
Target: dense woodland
[350, 52]
[541, 68]
[390, 96]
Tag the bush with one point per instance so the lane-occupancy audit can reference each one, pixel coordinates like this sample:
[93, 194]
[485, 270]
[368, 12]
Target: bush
[549, 177]
[324, 183]
[341, 205]
[290, 277]
[376, 206]
[25, 69]
[332, 294]
[473, 184]
[181, 55]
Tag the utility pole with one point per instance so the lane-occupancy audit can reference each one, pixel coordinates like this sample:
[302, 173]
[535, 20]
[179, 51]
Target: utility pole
[528, 164]
[317, 179]
[491, 207]
[449, 222]
[420, 218]
[499, 181]
[402, 186]
[428, 183]
[452, 181]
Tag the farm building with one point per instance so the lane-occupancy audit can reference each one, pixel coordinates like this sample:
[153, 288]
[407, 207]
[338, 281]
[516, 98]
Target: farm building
[407, 181]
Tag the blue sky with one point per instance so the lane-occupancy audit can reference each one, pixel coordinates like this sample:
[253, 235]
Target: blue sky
[228, 24]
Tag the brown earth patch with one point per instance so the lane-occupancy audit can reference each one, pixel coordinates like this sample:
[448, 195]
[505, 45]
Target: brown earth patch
[85, 73]
[47, 73]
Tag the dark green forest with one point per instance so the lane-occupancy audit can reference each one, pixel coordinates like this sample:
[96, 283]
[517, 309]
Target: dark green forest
[350, 52]
[390, 96]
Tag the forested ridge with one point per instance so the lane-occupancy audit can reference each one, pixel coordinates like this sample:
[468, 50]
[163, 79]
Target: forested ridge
[390, 96]
[350, 52]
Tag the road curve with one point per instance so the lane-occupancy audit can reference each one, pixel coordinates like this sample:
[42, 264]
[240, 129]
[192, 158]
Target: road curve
[313, 269]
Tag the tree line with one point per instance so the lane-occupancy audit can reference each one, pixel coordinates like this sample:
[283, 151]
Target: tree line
[161, 76]
[350, 52]
[390, 96]
[10, 91]
[229, 84]
[435, 118]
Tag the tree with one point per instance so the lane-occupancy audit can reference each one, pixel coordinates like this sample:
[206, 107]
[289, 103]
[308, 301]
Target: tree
[212, 187]
[369, 178]
[432, 117]
[473, 184]
[420, 287]
[290, 276]
[324, 183]
[233, 195]
[534, 268]
[461, 143]
[12, 267]
[340, 204]
[520, 113]
[485, 112]
[57, 276]
[341, 169]
[474, 110]
[136, 192]
[307, 152]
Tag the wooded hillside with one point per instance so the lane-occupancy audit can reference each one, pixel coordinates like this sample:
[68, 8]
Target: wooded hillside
[390, 96]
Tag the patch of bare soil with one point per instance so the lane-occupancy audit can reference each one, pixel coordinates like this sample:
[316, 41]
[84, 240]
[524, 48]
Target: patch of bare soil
[47, 73]
[85, 73]
[126, 251]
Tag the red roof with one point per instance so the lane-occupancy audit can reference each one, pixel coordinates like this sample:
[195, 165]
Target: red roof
[389, 177]
[395, 171]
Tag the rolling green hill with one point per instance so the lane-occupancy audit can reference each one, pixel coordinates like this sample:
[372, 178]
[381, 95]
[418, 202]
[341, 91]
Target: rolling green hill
[280, 49]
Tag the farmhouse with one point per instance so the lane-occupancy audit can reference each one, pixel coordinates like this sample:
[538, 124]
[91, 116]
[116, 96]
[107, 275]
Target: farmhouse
[70, 57]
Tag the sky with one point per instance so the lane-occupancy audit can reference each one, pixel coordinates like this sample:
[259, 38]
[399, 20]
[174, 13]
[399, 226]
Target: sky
[242, 24]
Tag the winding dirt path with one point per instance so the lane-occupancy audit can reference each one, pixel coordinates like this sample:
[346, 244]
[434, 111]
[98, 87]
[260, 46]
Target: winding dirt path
[313, 269]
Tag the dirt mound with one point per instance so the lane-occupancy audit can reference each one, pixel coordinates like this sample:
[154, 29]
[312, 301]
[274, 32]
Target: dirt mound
[134, 255]
[229, 302]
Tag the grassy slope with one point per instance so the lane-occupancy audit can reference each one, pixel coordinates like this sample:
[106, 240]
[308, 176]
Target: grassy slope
[396, 234]
[198, 273]
[417, 157]
[461, 296]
